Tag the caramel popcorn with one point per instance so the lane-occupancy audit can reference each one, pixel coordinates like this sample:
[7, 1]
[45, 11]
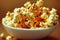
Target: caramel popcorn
[31, 16]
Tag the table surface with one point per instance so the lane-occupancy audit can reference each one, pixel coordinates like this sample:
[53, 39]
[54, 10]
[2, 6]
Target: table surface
[55, 35]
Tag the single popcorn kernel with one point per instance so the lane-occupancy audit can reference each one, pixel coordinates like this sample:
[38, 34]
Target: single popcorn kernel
[27, 5]
[39, 3]
[45, 9]
[16, 10]
[44, 15]
[42, 24]
[31, 14]
[8, 13]
[2, 34]
[9, 38]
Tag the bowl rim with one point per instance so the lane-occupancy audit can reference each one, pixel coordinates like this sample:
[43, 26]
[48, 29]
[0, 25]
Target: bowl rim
[29, 29]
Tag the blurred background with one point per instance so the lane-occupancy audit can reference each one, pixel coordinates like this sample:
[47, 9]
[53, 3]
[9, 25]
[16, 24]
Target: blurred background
[10, 5]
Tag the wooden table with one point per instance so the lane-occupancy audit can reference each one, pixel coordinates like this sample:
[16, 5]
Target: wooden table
[55, 35]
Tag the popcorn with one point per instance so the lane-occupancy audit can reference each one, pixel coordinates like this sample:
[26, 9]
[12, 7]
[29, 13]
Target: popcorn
[27, 22]
[2, 34]
[8, 13]
[4, 20]
[16, 10]
[31, 14]
[23, 9]
[45, 9]
[25, 13]
[9, 23]
[53, 11]
[27, 5]
[39, 3]
[8, 38]
[36, 14]
[42, 24]
[44, 15]
[15, 24]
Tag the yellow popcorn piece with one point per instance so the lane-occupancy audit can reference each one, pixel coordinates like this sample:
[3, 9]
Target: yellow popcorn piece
[42, 24]
[15, 24]
[45, 9]
[16, 10]
[53, 11]
[31, 14]
[44, 16]
[2, 34]
[9, 38]
[27, 5]
[39, 3]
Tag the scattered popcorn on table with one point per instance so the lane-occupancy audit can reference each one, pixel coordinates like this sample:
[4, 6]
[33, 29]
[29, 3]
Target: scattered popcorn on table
[9, 38]
[2, 34]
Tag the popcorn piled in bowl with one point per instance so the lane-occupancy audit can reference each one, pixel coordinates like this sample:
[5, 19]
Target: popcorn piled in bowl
[31, 16]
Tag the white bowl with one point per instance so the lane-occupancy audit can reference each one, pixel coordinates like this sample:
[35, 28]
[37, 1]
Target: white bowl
[28, 33]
